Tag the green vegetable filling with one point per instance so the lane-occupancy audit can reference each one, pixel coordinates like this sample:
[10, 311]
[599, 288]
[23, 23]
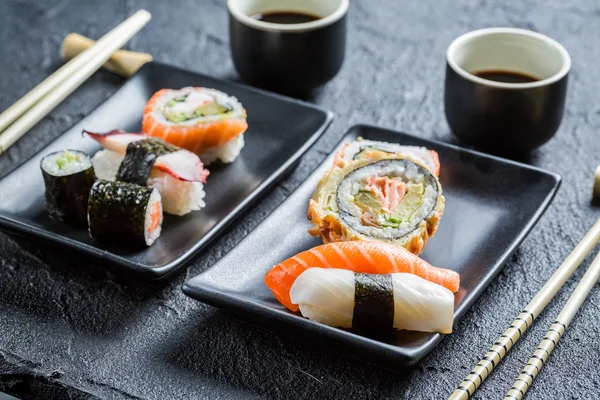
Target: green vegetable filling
[66, 159]
[208, 109]
[410, 203]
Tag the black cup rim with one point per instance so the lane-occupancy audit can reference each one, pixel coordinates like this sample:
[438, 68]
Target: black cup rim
[321, 23]
[564, 70]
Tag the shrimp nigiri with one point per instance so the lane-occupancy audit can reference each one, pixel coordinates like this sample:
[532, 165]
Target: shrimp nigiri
[371, 257]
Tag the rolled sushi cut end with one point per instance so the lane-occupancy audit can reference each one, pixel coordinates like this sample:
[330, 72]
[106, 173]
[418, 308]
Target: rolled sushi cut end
[204, 121]
[124, 213]
[345, 299]
[179, 197]
[68, 177]
[388, 198]
[362, 149]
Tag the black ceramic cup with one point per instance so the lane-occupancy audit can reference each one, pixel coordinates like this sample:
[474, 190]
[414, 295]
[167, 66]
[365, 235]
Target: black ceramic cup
[501, 117]
[288, 58]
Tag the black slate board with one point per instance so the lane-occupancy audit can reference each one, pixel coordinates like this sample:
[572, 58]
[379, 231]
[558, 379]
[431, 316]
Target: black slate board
[280, 130]
[491, 205]
[83, 329]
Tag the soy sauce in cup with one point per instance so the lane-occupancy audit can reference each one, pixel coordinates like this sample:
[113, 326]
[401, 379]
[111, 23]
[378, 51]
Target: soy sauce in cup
[505, 89]
[505, 76]
[285, 17]
[288, 46]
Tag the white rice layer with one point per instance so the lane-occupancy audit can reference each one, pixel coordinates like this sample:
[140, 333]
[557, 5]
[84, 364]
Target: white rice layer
[227, 152]
[51, 167]
[179, 197]
[421, 154]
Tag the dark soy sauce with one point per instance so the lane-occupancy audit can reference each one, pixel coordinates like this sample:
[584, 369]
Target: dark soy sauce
[285, 17]
[506, 76]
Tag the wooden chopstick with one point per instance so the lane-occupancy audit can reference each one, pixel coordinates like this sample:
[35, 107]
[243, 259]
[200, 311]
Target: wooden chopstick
[35, 105]
[548, 343]
[505, 342]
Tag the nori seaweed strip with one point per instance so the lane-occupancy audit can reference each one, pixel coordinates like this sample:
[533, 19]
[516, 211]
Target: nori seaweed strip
[139, 159]
[67, 195]
[373, 302]
[117, 212]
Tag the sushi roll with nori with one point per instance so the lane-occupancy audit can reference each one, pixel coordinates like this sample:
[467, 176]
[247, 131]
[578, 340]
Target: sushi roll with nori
[68, 176]
[389, 198]
[178, 174]
[373, 302]
[124, 213]
[205, 121]
[361, 149]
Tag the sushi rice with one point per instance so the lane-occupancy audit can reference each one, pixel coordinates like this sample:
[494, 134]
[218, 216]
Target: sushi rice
[65, 163]
[361, 149]
[227, 153]
[178, 197]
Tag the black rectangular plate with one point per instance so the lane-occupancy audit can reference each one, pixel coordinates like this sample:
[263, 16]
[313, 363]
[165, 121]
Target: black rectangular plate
[280, 131]
[491, 205]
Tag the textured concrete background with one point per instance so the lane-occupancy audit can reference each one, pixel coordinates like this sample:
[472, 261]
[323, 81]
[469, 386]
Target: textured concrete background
[68, 329]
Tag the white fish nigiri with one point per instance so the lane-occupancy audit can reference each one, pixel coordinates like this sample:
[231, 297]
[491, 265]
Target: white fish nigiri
[327, 296]
[179, 176]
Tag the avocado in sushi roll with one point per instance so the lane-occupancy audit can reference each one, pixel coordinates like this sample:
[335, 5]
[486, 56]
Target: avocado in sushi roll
[385, 197]
[68, 177]
[124, 213]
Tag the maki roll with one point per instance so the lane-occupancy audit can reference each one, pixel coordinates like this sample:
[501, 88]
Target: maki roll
[124, 213]
[386, 197]
[373, 302]
[361, 149]
[178, 174]
[68, 177]
[205, 121]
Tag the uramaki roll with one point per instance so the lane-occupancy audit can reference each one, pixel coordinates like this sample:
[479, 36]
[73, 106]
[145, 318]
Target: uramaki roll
[205, 121]
[388, 198]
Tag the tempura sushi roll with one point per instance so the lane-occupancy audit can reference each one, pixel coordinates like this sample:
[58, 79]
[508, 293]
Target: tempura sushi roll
[68, 177]
[373, 302]
[178, 174]
[124, 213]
[205, 121]
[387, 198]
[362, 149]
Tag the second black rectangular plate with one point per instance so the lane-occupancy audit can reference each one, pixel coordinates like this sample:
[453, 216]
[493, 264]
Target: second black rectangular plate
[491, 205]
[280, 131]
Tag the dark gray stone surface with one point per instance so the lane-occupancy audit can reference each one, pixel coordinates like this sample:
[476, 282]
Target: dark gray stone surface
[68, 329]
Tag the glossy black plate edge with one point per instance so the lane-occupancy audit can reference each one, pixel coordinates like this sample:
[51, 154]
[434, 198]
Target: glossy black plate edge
[18, 229]
[394, 358]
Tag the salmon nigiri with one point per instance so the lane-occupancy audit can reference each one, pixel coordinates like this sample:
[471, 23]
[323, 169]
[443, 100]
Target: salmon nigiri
[371, 257]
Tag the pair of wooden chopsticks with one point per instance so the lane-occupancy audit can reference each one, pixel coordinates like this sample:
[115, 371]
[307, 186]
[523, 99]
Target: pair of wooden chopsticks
[525, 319]
[16, 120]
